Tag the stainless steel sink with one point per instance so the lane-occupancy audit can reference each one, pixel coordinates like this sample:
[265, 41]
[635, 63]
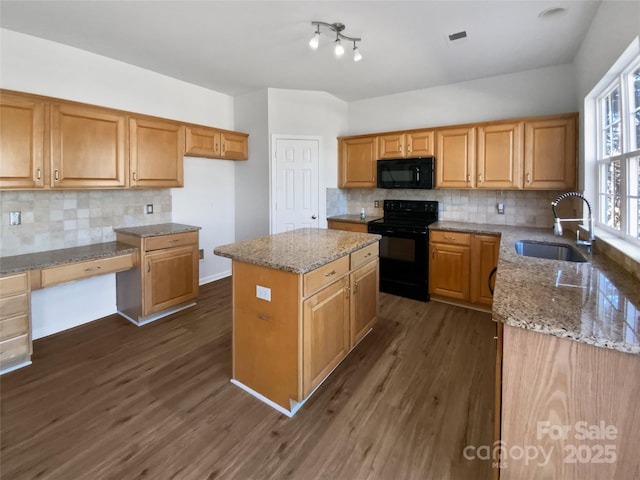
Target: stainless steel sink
[552, 251]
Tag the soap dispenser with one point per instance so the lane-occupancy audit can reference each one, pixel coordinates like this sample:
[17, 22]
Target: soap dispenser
[362, 214]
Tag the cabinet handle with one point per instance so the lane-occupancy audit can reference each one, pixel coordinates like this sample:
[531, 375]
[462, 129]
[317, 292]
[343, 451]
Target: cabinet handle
[224, 147]
[134, 177]
[368, 255]
[409, 148]
[433, 254]
[56, 176]
[38, 174]
[332, 272]
[450, 239]
[355, 287]
[217, 148]
[480, 178]
[528, 178]
[468, 178]
[173, 240]
[92, 269]
[264, 316]
[148, 267]
[347, 290]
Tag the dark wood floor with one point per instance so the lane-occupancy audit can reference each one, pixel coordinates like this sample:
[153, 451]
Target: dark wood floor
[109, 400]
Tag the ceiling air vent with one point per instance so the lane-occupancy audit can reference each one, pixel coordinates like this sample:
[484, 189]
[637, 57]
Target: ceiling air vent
[457, 36]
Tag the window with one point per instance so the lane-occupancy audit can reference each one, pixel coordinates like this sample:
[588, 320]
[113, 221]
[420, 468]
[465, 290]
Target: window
[618, 154]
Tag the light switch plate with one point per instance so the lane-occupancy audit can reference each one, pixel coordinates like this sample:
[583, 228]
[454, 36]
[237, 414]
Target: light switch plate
[263, 293]
[500, 208]
[15, 218]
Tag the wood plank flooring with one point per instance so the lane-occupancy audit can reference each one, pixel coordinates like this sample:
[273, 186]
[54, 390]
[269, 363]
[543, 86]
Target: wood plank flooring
[109, 400]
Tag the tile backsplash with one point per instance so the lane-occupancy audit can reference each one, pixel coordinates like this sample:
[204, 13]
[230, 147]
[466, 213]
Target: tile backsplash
[70, 218]
[522, 208]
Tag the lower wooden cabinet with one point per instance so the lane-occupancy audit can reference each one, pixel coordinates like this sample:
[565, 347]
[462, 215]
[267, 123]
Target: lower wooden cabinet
[460, 265]
[329, 309]
[166, 279]
[15, 322]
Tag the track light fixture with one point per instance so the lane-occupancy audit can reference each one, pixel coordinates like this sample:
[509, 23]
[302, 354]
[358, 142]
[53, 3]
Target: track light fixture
[338, 48]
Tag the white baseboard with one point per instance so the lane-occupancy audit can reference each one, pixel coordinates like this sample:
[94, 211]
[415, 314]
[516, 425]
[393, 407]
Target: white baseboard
[213, 278]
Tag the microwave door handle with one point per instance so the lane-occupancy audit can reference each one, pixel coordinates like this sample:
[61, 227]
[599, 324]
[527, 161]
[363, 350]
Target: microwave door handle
[417, 175]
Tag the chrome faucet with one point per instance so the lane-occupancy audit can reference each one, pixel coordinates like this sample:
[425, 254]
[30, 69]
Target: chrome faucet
[557, 223]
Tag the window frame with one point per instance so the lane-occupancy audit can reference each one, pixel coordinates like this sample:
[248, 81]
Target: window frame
[627, 156]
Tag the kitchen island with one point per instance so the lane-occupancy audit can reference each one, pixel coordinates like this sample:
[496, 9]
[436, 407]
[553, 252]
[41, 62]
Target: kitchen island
[568, 366]
[301, 301]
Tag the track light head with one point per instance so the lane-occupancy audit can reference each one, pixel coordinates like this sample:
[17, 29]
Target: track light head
[357, 56]
[338, 49]
[337, 44]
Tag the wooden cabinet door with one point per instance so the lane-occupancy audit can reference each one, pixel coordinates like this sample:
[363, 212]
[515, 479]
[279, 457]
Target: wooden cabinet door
[391, 146]
[455, 157]
[170, 278]
[420, 144]
[357, 162]
[88, 147]
[156, 153]
[364, 300]
[325, 333]
[550, 154]
[449, 271]
[202, 142]
[234, 146]
[500, 156]
[485, 250]
[21, 142]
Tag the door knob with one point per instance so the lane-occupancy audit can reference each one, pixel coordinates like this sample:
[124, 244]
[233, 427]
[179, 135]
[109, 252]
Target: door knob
[314, 217]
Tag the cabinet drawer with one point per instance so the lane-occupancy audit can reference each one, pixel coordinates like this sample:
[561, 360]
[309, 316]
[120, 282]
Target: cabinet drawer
[14, 326]
[80, 270]
[457, 238]
[16, 347]
[318, 278]
[168, 241]
[347, 226]
[15, 305]
[13, 284]
[364, 255]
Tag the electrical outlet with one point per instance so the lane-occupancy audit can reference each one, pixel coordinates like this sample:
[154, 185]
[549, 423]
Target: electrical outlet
[263, 293]
[201, 254]
[149, 208]
[376, 204]
[500, 207]
[15, 218]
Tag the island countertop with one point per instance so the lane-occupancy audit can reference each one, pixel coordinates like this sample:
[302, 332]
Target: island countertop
[595, 302]
[157, 229]
[297, 251]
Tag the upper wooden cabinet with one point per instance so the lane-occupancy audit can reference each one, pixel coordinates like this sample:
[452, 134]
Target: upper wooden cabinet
[21, 142]
[500, 155]
[550, 153]
[455, 157]
[213, 143]
[156, 148]
[88, 147]
[357, 161]
[404, 145]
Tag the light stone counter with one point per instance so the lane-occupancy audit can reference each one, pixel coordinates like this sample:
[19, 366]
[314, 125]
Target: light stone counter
[352, 218]
[297, 251]
[157, 230]
[596, 302]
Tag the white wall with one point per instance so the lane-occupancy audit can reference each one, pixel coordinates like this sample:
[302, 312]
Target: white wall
[34, 65]
[252, 176]
[534, 92]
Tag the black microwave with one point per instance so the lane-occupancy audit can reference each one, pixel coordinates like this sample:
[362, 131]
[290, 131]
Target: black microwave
[406, 173]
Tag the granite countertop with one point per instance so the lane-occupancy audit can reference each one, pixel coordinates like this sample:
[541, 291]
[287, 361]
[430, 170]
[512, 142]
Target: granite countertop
[52, 258]
[352, 218]
[595, 302]
[297, 251]
[157, 230]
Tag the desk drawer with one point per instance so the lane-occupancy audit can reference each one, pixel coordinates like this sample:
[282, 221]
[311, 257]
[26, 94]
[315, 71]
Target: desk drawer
[168, 241]
[455, 238]
[16, 347]
[13, 284]
[15, 305]
[80, 270]
[324, 275]
[364, 255]
[14, 326]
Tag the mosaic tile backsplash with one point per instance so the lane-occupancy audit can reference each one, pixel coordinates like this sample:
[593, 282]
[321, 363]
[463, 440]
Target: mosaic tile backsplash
[70, 218]
[522, 208]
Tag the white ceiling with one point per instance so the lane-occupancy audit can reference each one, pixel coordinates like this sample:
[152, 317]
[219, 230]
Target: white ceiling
[236, 47]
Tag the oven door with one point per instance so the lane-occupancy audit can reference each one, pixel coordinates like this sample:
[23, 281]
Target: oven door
[404, 264]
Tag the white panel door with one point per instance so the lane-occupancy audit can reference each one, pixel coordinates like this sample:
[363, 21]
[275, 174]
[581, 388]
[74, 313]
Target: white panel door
[296, 184]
